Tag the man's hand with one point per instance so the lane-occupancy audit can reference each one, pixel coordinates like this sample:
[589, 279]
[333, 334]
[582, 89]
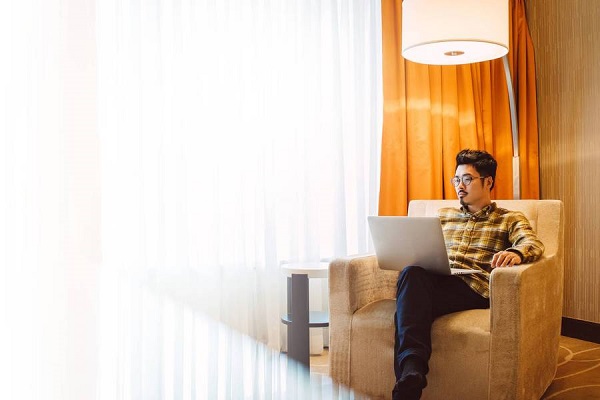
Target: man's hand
[505, 259]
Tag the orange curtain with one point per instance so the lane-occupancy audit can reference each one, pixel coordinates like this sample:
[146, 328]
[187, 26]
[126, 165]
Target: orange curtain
[432, 112]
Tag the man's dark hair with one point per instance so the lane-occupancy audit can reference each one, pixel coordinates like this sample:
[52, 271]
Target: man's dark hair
[481, 160]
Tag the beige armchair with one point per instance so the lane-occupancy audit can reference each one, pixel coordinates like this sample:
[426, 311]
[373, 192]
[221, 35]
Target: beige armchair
[506, 352]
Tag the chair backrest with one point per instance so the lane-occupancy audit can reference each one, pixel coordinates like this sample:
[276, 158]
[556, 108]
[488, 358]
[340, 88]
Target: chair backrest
[545, 217]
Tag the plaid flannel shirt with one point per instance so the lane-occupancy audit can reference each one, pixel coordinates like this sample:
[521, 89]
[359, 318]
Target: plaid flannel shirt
[472, 239]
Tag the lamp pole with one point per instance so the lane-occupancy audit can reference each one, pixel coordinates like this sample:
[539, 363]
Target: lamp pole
[515, 130]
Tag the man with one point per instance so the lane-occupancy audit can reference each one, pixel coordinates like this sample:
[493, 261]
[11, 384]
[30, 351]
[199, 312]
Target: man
[478, 236]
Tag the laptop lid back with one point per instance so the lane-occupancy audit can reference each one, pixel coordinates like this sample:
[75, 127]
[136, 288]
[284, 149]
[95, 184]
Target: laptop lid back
[403, 241]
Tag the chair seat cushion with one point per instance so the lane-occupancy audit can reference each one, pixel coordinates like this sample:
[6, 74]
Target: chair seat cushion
[460, 343]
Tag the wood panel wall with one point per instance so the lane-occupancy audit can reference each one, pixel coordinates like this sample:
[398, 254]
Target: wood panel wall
[566, 37]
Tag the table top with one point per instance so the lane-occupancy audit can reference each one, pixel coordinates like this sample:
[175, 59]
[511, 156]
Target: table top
[312, 269]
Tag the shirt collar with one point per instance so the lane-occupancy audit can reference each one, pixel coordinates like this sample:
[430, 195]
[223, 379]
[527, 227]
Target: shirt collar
[485, 211]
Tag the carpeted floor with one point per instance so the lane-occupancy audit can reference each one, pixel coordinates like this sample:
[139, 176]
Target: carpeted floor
[577, 377]
[578, 374]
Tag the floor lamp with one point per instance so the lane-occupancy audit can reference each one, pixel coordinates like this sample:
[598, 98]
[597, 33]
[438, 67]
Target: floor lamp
[452, 32]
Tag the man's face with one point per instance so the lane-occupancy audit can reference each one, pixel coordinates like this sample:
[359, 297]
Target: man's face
[474, 193]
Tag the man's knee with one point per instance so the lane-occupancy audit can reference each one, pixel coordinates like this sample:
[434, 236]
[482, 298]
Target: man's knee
[410, 273]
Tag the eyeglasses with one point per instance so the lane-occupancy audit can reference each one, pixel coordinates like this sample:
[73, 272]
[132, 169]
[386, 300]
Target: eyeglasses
[466, 179]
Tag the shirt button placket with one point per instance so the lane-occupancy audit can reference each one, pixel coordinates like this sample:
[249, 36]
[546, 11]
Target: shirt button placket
[464, 245]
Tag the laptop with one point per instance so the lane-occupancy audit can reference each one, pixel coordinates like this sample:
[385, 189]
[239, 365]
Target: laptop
[403, 241]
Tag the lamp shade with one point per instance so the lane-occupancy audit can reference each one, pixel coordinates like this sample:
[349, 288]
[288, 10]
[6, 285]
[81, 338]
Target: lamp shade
[450, 32]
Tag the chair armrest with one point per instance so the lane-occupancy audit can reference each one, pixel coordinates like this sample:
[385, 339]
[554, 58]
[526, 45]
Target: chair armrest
[525, 312]
[354, 282]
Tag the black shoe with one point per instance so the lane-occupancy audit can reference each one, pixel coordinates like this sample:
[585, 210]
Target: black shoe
[409, 387]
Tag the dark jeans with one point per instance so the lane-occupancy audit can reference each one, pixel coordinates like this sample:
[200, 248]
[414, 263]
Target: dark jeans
[421, 297]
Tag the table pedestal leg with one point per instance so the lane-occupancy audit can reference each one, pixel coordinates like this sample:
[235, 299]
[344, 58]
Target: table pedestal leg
[298, 329]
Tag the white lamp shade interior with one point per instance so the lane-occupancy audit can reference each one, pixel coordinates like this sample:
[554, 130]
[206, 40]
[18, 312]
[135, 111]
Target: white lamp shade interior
[450, 32]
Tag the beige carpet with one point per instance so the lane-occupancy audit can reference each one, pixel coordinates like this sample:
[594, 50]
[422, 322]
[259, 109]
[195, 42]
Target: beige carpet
[577, 377]
[578, 374]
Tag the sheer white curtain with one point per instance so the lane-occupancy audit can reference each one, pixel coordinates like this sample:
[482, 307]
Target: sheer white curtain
[235, 135]
[190, 145]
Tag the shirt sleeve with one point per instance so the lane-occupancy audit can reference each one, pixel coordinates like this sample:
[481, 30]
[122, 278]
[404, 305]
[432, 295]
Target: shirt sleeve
[524, 240]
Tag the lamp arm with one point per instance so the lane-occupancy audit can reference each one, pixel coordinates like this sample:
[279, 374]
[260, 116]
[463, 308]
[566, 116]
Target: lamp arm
[515, 130]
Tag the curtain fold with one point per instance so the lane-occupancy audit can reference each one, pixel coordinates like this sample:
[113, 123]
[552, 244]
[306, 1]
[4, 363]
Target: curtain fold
[432, 112]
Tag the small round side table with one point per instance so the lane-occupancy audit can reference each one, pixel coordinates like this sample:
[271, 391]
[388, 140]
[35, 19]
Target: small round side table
[298, 318]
